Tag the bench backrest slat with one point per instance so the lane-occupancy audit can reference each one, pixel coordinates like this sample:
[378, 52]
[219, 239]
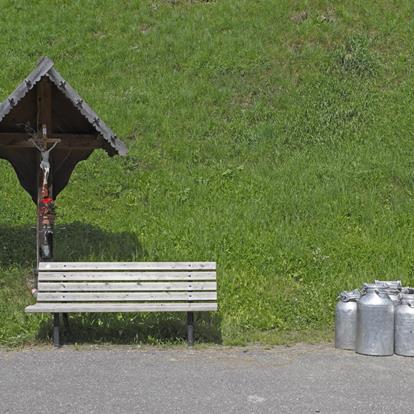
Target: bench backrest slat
[113, 266]
[118, 296]
[58, 276]
[130, 287]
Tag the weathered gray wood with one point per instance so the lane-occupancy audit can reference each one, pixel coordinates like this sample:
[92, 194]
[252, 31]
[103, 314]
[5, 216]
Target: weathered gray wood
[126, 287]
[120, 307]
[111, 266]
[44, 65]
[120, 297]
[130, 287]
[55, 276]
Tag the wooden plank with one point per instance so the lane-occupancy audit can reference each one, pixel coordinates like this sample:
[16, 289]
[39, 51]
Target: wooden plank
[130, 297]
[44, 106]
[67, 141]
[121, 307]
[16, 139]
[109, 266]
[125, 276]
[130, 287]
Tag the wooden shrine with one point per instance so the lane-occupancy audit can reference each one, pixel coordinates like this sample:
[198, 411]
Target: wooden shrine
[46, 128]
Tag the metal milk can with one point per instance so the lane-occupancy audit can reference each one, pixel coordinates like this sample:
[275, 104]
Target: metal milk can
[404, 326]
[375, 322]
[346, 320]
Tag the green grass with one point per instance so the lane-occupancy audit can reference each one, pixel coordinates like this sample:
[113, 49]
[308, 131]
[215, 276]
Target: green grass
[275, 137]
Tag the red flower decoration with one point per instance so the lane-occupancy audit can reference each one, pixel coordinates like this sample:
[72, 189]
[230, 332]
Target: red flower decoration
[47, 200]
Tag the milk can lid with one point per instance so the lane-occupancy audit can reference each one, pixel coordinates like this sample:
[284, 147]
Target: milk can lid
[389, 284]
[379, 290]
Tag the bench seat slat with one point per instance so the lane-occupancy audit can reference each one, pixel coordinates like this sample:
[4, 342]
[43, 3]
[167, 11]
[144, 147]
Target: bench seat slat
[130, 287]
[134, 296]
[125, 276]
[111, 266]
[120, 307]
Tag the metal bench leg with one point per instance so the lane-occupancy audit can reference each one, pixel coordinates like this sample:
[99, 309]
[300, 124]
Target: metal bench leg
[66, 324]
[56, 329]
[190, 328]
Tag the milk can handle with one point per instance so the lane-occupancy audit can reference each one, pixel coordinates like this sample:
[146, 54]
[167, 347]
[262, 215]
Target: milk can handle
[381, 293]
[372, 287]
[347, 296]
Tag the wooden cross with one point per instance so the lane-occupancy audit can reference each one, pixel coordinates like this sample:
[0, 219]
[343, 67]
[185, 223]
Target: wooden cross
[41, 141]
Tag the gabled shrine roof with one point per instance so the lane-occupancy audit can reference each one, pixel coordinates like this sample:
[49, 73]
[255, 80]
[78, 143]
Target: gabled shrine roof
[45, 68]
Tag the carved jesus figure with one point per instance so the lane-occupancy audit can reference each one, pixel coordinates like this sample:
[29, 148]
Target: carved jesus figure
[45, 163]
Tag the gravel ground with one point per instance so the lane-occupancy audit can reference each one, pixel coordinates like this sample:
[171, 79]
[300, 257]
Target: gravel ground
[299, 379]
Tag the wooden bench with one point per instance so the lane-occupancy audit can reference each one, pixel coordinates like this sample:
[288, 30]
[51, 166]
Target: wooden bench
[125, 287]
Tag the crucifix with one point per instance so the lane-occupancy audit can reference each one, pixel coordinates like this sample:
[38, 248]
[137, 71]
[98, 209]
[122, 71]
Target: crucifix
[45, 144]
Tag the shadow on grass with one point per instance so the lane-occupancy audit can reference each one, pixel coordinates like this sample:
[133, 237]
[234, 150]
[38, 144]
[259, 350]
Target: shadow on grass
[136, 328]
[73, 242]
[84, 242]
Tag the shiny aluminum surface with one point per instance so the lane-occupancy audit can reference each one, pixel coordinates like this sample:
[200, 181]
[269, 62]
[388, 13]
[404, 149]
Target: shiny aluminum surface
[404, 326]
[346, 320]
[375, 323]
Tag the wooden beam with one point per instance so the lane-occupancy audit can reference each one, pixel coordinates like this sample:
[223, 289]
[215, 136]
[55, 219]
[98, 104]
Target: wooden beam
[44, 107]
[69, 141]
[10, 138]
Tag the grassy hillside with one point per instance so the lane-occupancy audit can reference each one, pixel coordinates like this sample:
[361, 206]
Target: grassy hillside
[275, 137]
